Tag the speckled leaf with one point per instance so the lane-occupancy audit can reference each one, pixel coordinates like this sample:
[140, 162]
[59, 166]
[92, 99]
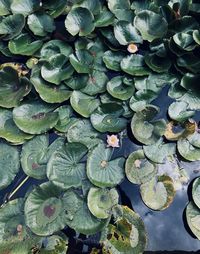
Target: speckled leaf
[193, 218]
[180, 111]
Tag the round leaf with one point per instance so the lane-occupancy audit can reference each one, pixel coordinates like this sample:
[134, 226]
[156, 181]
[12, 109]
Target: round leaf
[196, 191]
[193, 218]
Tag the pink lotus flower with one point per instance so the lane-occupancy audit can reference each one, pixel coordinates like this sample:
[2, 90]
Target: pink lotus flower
[112, 141]
[132, 48]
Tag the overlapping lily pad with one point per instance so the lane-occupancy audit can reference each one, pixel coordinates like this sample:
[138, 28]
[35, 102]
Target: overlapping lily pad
[196, 191]
[101, 170]
[193, 217]
[36, 153]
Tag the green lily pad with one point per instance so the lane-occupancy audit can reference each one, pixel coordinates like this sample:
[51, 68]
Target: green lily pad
[79, 21]
[4, 8]
[108, 118]
[55, 9]
[118, 89]
[135, 65]
[102, 171]
[138, 168]
[24, 44]
[158, 193]
[36, 153]
[196, 191]
[104, 18]
[121, 9]
[159, 151]
[24, 7]
[12, 87]
[8, 129]
[101, 201]
[127, 235]
[157, 63]
[48, 92]
[145, 129]
[56, 244]
[40, 24]
[112, 60]
[193, 218]
[77, 82]
[35, 117]
[151, 25]
[83, 132]
[83, 104]
[187, 150]
[11, 26]
[45, 211]
[64, 168]
[9, 164]
[126, 33]
[180, 111]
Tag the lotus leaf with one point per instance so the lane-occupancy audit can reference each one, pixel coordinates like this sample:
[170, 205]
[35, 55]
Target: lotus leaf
[138, 168]
[193, 218]
[112, 60]
[64, 168]
[24, 7]
[83, 104]
[93, 5]
[157, 63]
[145, 129]
[128, 234]
[151, 25]
[118, 89]
[101, 201]
[107, 118]
[77, 82]
[11, 26]
[79, 21]
[35, 117]
[104, 18]
[180, 111]
[158, 193]
[36, 153]
[121, 9]
[196, 191]
[135, 65]
[12, 87]
[101, 170]
[126, 33]
[9, 130]
[24, 44]
[55, 8]
[82, 131]
[159, 151]
[9, 164]
[40, 24]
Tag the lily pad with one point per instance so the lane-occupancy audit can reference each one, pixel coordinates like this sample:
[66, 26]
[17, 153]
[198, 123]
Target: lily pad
[180, 111]
[79, 21]
[101, 201]
[158, 63]
[138, 168]
[64, 168]
[24, 7]
[12, 87]
[151, 25]
[158, 193]
[9, 164]
[101, 170]
[118, 89]
[83, 104]
[36, 153]
[83, 132]
[112, 60]
[196, 191]
[159, 151]
[187, 150]
[9, 130]
[193, 218]
[35, 117]
[145, 129]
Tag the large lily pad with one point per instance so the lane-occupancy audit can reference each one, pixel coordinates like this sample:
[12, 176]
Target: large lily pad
[12, 87]
[112, 60]
[24, 7]
[108, 117]
[36, 153]
[35, 117]
[9, 164]
[138, 168]
[151, 25]
[158, 193]
[145, 128]
[83, 104]
[196, 191]
[82, 131]
[9, 130]
[180, 111]
[193, 218]
[79, 21]
[64, 168]
[101, 170]
[101, 201]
